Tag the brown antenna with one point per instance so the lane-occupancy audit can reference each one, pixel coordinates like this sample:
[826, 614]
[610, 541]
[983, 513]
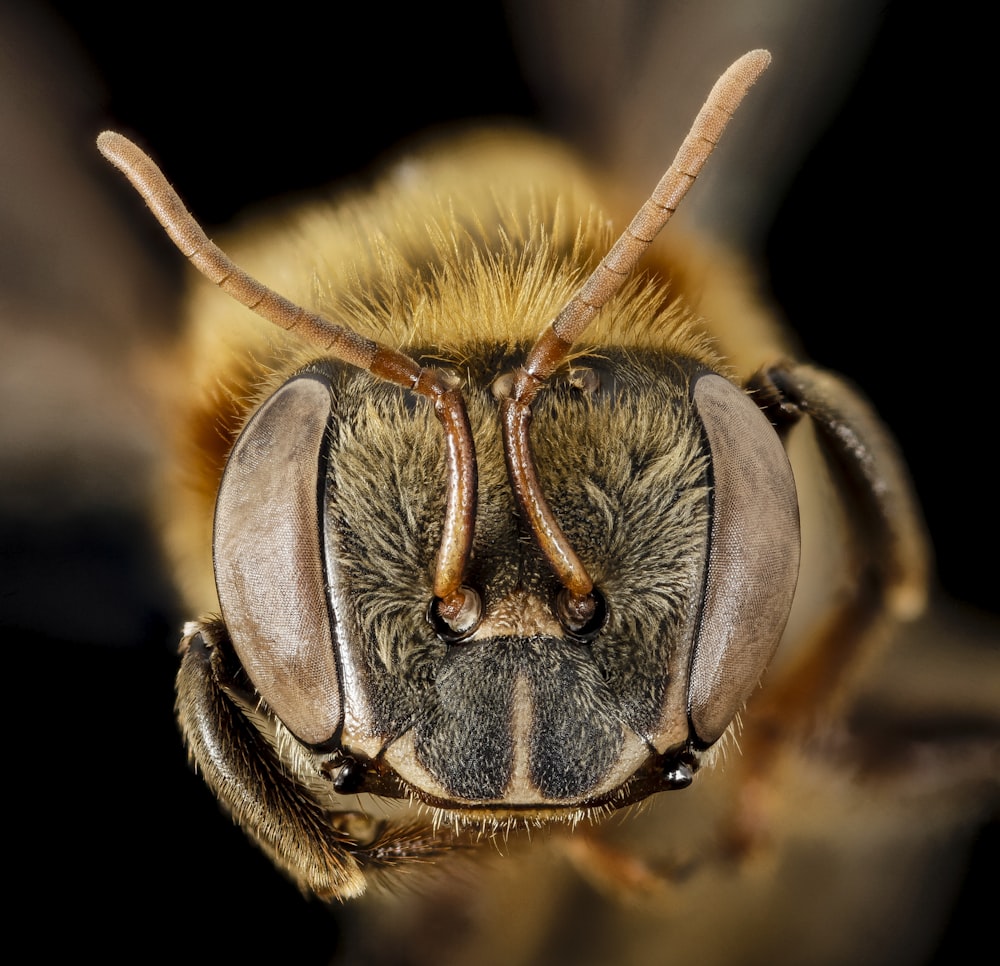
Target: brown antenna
[457, 605]
[554, 344]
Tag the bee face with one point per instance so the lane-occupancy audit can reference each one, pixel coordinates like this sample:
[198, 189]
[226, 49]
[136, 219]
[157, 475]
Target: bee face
[330, 621]
[538, 586]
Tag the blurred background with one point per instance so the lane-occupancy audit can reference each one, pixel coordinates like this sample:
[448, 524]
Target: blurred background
[869, 254]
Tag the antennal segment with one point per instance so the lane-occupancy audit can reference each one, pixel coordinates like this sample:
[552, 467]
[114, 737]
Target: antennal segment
[455, 602]
[555, 342]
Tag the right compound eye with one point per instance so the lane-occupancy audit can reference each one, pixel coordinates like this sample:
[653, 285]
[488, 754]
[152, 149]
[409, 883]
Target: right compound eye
[753, 561]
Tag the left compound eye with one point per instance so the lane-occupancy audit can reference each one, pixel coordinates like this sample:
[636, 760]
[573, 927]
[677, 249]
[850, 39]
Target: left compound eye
[268, 564]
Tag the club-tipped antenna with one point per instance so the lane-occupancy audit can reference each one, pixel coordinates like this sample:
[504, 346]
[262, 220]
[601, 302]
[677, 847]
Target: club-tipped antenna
[578, 606]
[457, 605]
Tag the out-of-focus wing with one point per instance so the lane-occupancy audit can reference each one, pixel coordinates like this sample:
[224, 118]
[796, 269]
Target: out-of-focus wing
[623, 81]
[80, 300]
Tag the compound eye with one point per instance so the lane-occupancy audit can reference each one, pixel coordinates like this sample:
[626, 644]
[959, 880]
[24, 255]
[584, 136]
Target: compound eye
[753, 562]
[268, 565]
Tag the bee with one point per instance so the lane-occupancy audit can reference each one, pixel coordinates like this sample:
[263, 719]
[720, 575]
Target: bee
[556, 602]
[605, 856]
[416, 646]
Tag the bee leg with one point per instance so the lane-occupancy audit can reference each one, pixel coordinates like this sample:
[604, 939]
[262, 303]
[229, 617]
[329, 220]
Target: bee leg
[888, 556]
[621, 873]
[332, 854]
[888, 543]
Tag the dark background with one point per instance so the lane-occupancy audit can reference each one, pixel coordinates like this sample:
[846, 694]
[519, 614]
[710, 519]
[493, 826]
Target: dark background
[871, 257]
